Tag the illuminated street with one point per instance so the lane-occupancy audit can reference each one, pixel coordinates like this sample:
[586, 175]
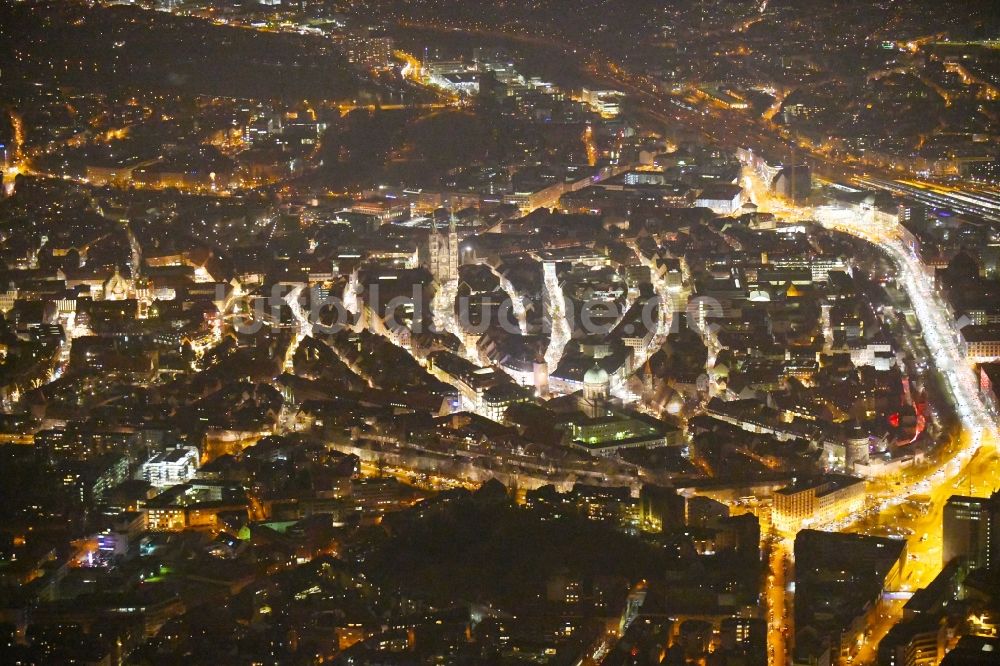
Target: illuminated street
[560, 328]
[777, 601]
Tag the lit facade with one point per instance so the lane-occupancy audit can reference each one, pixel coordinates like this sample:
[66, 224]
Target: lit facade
[169, 468]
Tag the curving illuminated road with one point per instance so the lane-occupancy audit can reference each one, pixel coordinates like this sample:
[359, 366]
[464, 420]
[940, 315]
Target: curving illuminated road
[975, 449]
[940, 331]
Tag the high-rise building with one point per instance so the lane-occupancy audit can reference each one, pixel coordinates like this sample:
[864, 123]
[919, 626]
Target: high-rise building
[368, 48]
[744, 636]
[794, 181]
[970, 526]
[662, 506]
[912, 213]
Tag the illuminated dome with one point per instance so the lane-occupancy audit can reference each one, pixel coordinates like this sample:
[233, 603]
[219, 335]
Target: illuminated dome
[596, 387]
[596, 375]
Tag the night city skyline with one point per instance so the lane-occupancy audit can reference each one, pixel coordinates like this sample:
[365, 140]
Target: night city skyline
[521, 332]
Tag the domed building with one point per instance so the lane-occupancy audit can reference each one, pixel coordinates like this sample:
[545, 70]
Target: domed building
[596, 383]
[596, 389]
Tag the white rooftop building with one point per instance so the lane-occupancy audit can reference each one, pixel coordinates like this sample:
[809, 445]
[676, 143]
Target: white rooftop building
[171, 467]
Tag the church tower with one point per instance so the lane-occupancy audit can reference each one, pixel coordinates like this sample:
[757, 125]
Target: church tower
[434, 250]
[144, 296]
[452, 249]
[442, 252]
